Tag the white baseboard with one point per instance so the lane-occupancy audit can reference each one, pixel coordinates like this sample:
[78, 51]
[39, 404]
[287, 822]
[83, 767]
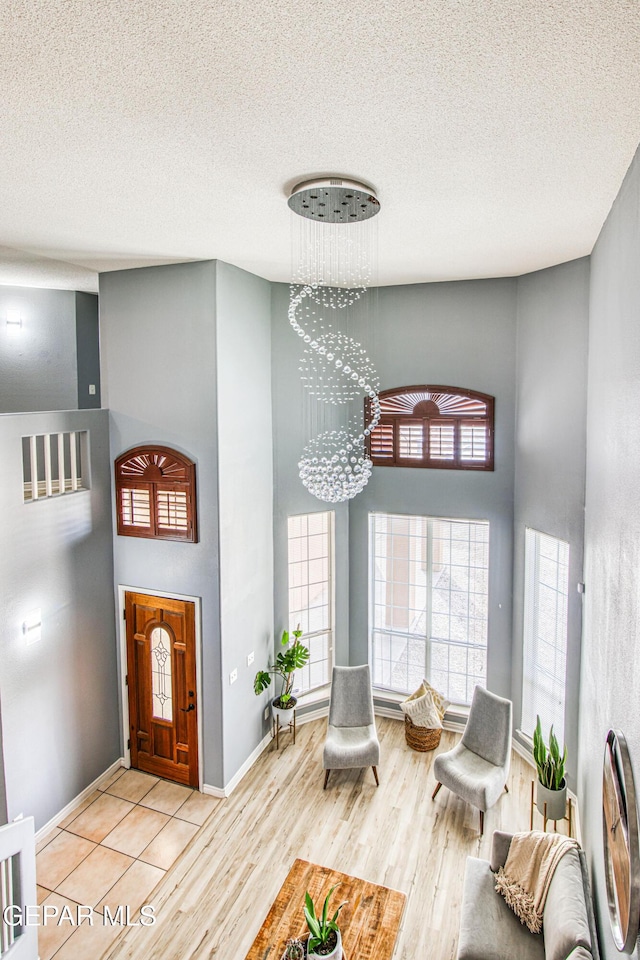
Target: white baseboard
[316, 714]
[73, 804]
[237, 777]
[382, 710]
[213, 791]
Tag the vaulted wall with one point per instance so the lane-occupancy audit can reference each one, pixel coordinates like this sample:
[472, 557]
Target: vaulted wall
[610, 682]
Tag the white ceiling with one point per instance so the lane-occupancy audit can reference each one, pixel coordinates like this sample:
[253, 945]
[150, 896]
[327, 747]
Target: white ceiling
[497, 132]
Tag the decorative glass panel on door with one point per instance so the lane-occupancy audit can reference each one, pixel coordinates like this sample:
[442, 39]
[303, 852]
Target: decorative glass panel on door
[161, 674]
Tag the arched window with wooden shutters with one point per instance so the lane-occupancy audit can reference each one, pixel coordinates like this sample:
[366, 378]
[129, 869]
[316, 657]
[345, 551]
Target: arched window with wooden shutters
[433, 426]
[156, 494]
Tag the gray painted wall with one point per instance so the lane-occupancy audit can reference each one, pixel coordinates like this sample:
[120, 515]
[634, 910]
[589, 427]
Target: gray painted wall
[3, 784]
[158, 343]
[553, 327]
[38, 360]
[245, 483]
[610, 679]
[460, 334]
[59, 696]
[87, 350]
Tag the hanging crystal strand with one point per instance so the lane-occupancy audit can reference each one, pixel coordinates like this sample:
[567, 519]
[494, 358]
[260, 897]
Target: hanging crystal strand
[329, 305]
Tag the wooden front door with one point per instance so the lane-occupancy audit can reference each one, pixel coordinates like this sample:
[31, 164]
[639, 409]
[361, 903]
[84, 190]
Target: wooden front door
[161, 680]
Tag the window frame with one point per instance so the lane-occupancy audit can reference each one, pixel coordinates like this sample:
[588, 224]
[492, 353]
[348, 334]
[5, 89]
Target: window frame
[306, 637]
[395, 420]
[431, 561]
[531, 635]
[156, 469]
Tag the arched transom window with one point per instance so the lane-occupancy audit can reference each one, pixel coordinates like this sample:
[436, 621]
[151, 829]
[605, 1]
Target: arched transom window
[156, 494]
[433, 426]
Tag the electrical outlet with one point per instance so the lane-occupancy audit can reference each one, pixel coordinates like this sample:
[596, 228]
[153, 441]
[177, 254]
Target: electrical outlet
[250, 657]
[92, 389]
[266, 713]
[233, 676]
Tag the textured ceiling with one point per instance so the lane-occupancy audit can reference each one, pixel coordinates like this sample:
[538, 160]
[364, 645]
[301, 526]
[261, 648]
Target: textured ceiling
[497, 132]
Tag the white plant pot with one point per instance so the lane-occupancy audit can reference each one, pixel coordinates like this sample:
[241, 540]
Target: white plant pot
[282, 715]
[556, 801]
[336, 953]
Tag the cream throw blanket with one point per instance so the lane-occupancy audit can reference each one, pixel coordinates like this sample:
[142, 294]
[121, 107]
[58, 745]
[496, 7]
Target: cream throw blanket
[526, 876]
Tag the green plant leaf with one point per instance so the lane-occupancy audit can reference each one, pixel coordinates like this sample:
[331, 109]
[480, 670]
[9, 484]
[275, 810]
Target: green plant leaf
[550, 764]
[310, 916]
[261, 682]
[285, 638]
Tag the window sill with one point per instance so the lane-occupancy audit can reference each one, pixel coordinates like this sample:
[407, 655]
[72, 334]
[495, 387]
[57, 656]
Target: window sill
[317, 695]
[456, 715]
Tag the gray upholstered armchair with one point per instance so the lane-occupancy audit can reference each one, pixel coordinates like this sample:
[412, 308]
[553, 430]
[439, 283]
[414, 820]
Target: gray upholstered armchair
[352, 740]
[477, 768]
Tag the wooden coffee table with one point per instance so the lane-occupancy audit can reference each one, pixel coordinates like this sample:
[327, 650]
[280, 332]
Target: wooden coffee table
[369, 922]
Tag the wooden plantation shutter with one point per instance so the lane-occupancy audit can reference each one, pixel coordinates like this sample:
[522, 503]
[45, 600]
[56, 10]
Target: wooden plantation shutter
[156, 494]
[433, 426]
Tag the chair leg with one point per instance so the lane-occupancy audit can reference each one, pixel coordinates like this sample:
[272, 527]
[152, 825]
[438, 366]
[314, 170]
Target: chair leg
[326, 778]
[481, 823]
[375, 773]
[433, 795]
[506, 788]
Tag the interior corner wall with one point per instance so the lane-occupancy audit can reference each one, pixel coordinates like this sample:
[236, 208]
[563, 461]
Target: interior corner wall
[245, 484]
[58, 695]
[550, 451]
[458, 334]
[38, 358]
[610, 678]
[87, 350]
[158, 344]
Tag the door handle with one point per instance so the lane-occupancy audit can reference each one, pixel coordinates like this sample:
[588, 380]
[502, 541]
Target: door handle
[188, 709]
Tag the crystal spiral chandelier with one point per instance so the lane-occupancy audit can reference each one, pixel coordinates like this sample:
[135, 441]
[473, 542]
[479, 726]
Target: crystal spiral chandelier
[331, 309]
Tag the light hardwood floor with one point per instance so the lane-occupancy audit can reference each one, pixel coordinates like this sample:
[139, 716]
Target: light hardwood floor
[213, 901]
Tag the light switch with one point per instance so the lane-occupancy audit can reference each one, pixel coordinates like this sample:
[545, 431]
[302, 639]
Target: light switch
[92, 389]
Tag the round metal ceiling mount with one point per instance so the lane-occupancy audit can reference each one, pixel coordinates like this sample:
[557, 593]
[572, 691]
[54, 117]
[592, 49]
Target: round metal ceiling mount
[334, 200]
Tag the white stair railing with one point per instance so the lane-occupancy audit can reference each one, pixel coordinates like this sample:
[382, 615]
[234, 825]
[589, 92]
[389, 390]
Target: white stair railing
[18, 936]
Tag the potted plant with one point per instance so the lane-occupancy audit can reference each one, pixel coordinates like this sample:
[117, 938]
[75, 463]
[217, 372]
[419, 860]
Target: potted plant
[287, 662]
[324, 935]
[551, 786]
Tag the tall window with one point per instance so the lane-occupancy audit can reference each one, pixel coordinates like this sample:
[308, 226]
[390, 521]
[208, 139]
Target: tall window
[429, 603]
[311, 593]
[545, 632]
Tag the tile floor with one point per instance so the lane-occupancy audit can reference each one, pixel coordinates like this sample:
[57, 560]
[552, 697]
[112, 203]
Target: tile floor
[113, 849]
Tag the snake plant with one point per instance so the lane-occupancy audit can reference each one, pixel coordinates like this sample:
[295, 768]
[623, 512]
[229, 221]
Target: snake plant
[549, 762]
[320, 928]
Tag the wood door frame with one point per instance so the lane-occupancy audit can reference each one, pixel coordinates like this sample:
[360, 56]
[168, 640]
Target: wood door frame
[122, 666]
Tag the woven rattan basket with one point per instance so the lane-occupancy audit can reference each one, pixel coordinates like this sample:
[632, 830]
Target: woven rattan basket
[421, 738]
